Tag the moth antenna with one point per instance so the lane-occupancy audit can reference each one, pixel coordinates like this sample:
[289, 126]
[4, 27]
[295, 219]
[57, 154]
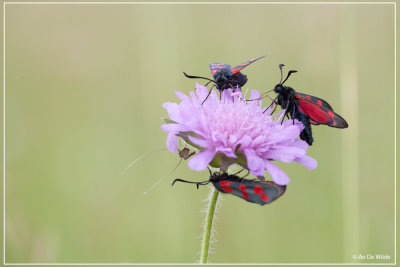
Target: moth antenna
[162, 178]
[182, 157]
[280, 67]
[198, 77]
[190, 182]
[238, 172]
[139, 158]
[262, 96]
[289, 73]
[202, 183]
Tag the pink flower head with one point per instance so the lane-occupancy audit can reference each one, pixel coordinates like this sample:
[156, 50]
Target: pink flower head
[230, 130]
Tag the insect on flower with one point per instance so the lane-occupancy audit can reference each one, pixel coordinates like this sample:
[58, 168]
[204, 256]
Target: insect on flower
[227, 130]
[226, 77]
[185, 153]
[309, 110]
[260, 192]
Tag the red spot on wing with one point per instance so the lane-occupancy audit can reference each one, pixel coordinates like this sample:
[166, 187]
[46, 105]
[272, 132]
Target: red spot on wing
[236, 70]
[257, 189]
[309, 97]
[264, 197]
[315, 112]
[225, 183]
[225, 186]
[242, 187]
[319, 102]
[243, 65]
[227, 189]
[331, 114]
[245, 195]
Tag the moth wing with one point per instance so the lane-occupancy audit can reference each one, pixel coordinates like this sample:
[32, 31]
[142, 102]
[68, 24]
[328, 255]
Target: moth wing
[215, 67]
[250, 190]
[313, 122]
[316, 100]
[245, 64]
[266, 192]
[228, 184]
[318, 113]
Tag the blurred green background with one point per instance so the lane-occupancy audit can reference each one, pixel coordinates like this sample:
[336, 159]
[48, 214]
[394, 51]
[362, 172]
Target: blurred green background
[85, 86]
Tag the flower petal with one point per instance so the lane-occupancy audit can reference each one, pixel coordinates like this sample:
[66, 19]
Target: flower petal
[285, 153]
[279, 176]
[285, 134]
[182, 96]
[245, 142]
[308, 162]
[201, 91]
[226, 95]
[296, 123]
[300, 144]
[254, 94]
[214, 96]
[198, 141]
[172, 142]
[171, 127]
[223, 125]
[173, 111]
[237, 93]
[187, 111]
[227, 151]
[254, 163]
[200, 161]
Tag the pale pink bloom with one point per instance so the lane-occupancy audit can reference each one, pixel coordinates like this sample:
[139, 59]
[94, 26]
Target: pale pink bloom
[230, 130]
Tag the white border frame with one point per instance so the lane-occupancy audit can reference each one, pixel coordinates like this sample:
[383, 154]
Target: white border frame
[193, 3]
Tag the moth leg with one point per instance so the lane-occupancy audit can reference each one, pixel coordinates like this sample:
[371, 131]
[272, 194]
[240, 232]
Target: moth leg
[209, 170]
[293, 115]
[286, 111]
[276, 105]
[273, 101]
[209, 93]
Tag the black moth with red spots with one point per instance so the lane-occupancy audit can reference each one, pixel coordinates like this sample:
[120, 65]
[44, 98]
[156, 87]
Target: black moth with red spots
[260, 192]
[306, 108]
[225, 77]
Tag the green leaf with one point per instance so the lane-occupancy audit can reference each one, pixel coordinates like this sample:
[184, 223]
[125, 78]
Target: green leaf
[168, 121]
[185, 136]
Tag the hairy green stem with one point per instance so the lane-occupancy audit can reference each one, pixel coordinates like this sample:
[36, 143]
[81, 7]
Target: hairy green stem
[205, 246]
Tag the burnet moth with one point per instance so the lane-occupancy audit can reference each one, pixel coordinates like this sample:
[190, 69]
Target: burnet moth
[307, 109]
[226, 77]
[254, 191]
